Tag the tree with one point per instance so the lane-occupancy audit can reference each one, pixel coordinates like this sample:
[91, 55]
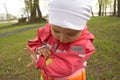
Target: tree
[107, 4]
[38, 10]
[11, 17]
[26, 10]
[100, 7]
[103, 5]
[6, 11]
[118, 8]
[114, 8]
[34, 8]
[111, 8]
[35, 11]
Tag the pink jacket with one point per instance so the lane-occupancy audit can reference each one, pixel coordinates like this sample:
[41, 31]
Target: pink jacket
[66, 58]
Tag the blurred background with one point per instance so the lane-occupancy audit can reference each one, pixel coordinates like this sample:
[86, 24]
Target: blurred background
[34, 10]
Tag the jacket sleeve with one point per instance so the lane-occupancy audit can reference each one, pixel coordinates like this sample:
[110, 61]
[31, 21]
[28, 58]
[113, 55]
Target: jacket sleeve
[66, 63]
[36, 42]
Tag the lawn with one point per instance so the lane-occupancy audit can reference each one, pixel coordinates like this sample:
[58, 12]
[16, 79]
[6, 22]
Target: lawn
[103, 65]
[7, 27]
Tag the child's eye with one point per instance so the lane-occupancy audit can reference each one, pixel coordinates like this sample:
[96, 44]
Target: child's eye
[56, 31]
[72, 34]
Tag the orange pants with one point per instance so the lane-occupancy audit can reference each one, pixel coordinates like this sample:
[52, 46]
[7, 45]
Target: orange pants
[44, 77]
[80, 76]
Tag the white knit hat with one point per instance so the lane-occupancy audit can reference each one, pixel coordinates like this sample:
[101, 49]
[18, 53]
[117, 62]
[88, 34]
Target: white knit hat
[71, 14]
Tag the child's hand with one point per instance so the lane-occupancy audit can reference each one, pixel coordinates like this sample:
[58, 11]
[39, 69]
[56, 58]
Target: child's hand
[44, 51]
[32, 54]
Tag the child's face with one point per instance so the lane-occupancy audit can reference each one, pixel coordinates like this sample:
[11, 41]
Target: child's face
[65, 35]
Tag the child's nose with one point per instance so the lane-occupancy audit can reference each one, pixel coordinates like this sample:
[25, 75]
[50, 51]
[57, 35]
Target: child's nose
[62, 37]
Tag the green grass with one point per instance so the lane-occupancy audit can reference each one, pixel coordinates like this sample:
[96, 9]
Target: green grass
[7, 27]
[103, 65]
[13, 59]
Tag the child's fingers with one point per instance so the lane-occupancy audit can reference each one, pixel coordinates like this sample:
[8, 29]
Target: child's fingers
[33, 56]
[28, 50]
[45, 52]
[30, 64]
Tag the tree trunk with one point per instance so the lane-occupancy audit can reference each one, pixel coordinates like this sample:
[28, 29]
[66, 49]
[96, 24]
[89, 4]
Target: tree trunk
[105, 10]
[118, 8]
[6, 10]
[35, 11]
[100, 8]
[38, 10]
[92, 13]
[27, 8]
[114, 7]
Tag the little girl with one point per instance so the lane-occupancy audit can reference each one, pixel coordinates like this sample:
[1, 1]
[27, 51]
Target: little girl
[64, 44]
